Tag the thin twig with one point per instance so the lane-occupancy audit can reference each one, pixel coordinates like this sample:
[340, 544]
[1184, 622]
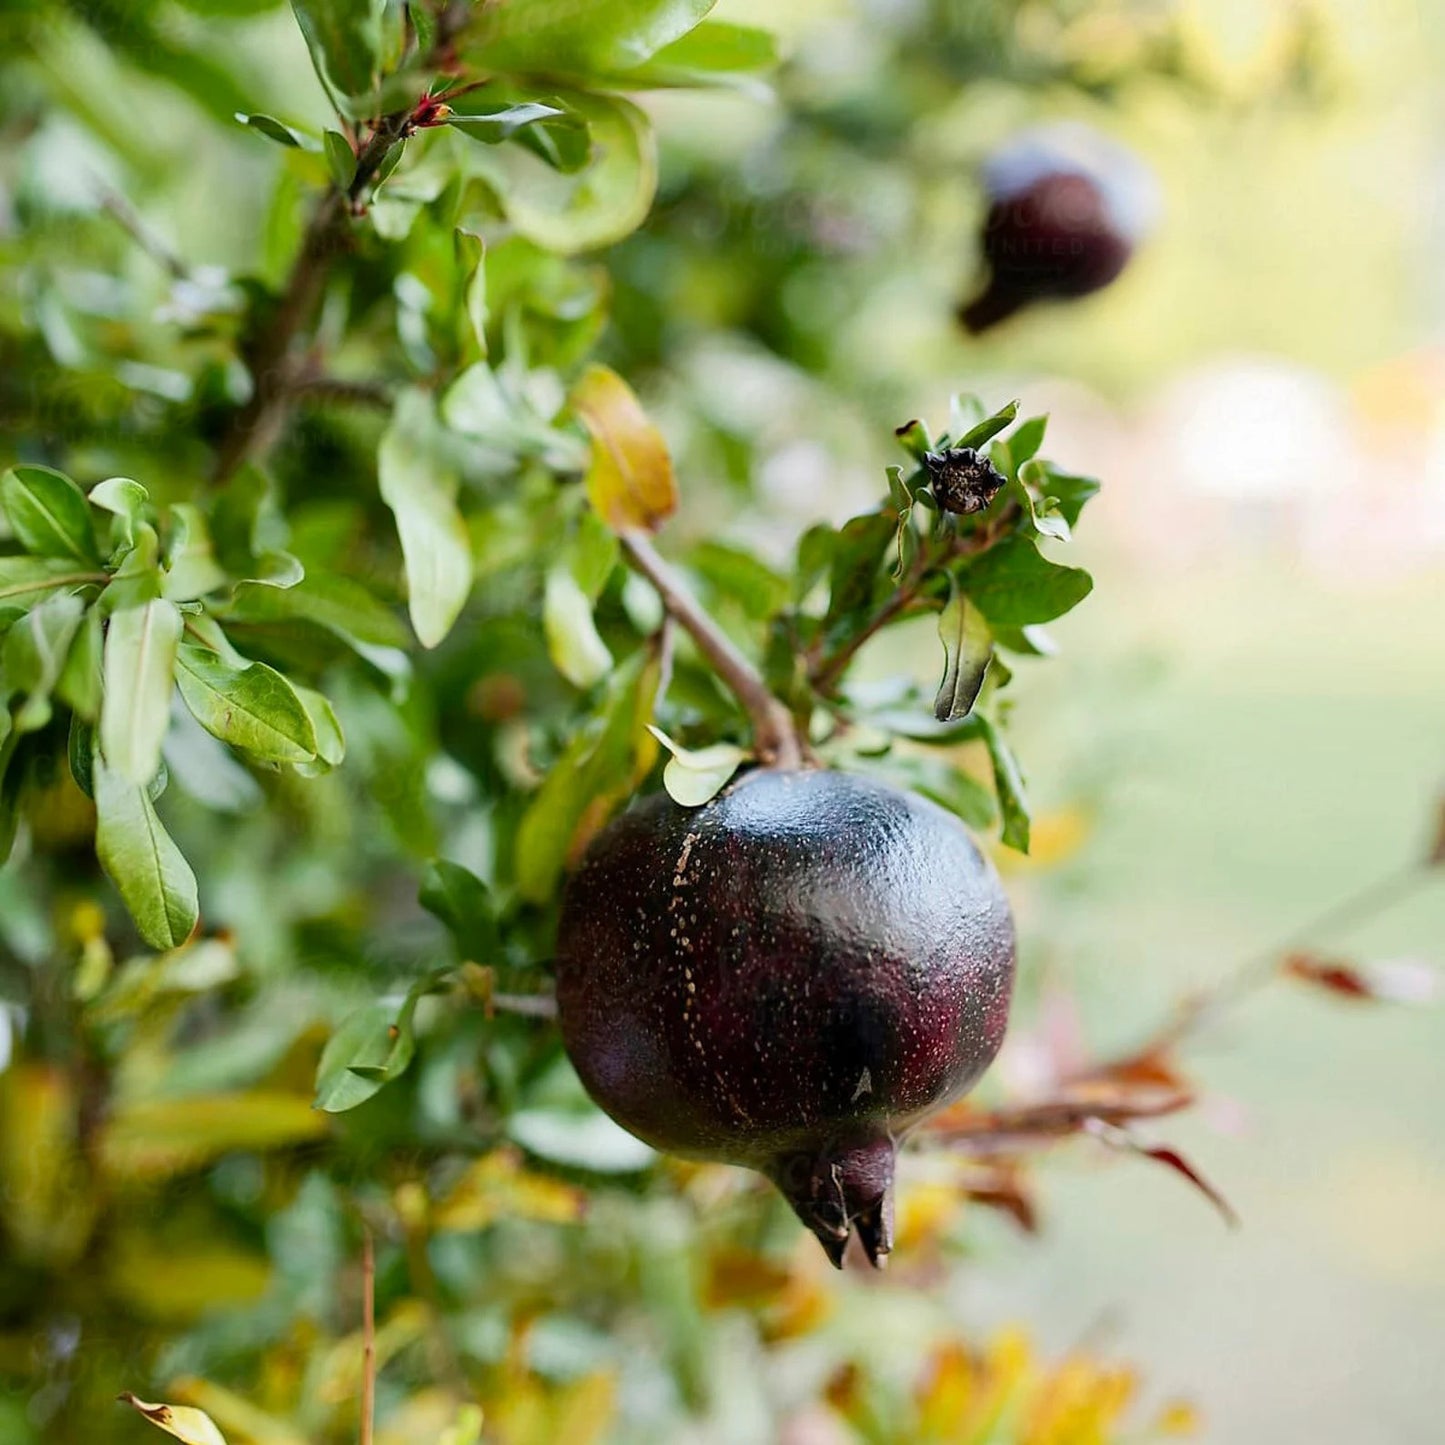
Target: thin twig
[269, 359]
[775, 734]
[115, 205]
[368, 1336]
[1264, 967]
[826, 674]
[826, 669]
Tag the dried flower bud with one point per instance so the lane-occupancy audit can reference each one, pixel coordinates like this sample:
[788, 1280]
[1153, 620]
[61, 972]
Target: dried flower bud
[963, 480]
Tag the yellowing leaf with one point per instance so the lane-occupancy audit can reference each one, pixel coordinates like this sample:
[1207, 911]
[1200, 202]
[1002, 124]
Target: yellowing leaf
[235, 1413]
[163, 1279]
[630, 480]
[194, 1427]
[947, 1395]
[48, 1203]
[498, 1187]
[158, 1137]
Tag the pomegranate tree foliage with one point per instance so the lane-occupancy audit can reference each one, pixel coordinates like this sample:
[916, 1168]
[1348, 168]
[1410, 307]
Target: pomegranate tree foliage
[322, 661]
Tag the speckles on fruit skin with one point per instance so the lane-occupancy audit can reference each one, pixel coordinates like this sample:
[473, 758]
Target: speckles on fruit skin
[731, 977]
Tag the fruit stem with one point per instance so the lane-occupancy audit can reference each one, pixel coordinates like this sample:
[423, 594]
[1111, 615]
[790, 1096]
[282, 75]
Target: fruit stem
[775, 735]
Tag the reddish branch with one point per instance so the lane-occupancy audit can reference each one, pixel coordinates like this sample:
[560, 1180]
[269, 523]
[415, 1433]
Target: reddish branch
[1104, 1099]
[775, 734]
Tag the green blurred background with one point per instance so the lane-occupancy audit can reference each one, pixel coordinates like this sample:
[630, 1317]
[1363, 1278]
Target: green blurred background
[1247, 719]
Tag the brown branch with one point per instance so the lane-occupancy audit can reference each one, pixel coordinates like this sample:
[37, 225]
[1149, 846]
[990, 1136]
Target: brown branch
[1021, 1127]
[368, 1336]
[825, 670]
[270, 358]
[115, 205]
[775, 734]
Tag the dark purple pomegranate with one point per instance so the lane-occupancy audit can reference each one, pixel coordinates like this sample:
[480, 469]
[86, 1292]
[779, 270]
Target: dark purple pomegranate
[1066, 209]
[788, 978]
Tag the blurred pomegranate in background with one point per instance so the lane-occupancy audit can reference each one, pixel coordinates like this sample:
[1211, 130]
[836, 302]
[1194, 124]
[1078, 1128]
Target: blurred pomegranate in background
[1067, 207]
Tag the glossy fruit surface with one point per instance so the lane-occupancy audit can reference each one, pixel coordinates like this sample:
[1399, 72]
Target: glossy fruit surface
[787, 978]
[1067, 207]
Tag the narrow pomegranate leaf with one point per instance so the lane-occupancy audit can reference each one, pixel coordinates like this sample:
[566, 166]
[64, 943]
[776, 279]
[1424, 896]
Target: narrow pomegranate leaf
[1120, 1138]
[1395, 982]
[967, 652]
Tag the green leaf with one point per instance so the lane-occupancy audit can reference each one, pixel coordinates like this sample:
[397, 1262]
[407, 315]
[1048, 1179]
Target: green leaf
[278, 131]
[1067, 493]
[694, 776]
[915, 438]
[80, 753]
[988, 428]
[330, 740]
[419, 484]
[573, 644]
[138, 579]
[587, 1140]
[495, 125]
[595, 206]
[340, 159]
[339, 604]
[741, 578]
[715, 53]
[814, 558]
[49, 514]
[463, 902]
[34, 655]
[471, 259]
[80, 683]
[1008, 783]
[968, 649]
[191, 568]
[857, 556]
[139, 672]
[126, 500]
[1012, 584]
[562, 141]
[154, 881]
[578, 37]
[253, 708]
[596, 772]
[250, 533]
[371, 1048]
[12, 776]
[26, 580]
[1024, 444]
[344, 38]
[592, 553]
